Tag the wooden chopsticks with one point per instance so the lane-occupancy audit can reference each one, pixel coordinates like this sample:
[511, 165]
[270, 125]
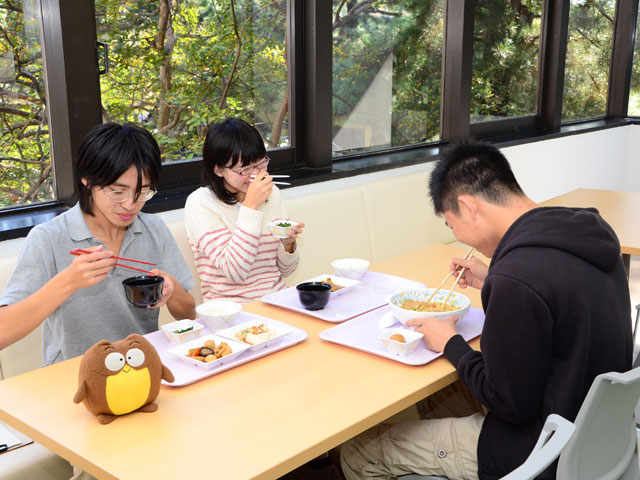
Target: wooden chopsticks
[467, 256]
[80, 251]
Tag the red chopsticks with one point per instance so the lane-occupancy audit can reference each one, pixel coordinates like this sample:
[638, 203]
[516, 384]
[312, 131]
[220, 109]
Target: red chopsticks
[80, 251]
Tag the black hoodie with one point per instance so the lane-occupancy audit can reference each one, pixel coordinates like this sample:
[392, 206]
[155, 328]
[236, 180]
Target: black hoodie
[558, 313]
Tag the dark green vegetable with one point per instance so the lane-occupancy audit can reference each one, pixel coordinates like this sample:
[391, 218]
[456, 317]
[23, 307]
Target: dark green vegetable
[184, 330]
[284, 224]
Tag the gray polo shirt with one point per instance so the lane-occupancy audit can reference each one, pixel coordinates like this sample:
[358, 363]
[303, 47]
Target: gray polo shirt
[99, 312]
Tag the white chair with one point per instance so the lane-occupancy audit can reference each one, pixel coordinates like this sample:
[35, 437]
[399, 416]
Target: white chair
[556, 433]
[605, 443]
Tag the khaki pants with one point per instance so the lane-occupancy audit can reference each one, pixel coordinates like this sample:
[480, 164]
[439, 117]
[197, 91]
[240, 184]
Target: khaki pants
[435, 446]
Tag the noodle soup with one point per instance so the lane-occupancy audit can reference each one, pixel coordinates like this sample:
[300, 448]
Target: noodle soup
[413, 304]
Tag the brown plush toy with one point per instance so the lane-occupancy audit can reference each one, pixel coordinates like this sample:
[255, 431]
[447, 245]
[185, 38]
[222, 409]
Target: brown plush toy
[120, 377]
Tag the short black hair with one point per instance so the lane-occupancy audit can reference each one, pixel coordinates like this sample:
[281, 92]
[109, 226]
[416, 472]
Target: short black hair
[232, 139]
[471, 168]
[108, 151]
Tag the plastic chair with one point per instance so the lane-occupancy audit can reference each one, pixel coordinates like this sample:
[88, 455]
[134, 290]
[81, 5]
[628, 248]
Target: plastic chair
[605, 443]
[556, 433]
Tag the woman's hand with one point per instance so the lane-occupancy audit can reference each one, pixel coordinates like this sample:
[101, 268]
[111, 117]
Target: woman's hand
[89, 269]
[293, 233]
[474, 274]
[167, 288]
[259, 190]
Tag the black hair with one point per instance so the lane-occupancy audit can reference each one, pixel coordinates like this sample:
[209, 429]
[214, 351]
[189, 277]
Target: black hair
[108, 151]
[232, 139]
[471, 168]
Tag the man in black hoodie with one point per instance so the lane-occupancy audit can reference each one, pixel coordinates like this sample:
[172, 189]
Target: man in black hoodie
[557, 314]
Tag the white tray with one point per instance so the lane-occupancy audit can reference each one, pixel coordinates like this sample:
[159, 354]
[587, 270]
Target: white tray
[372, 292]
[362, 333]
[186, 373]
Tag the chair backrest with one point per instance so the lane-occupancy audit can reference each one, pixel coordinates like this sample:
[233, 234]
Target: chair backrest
[605, 439]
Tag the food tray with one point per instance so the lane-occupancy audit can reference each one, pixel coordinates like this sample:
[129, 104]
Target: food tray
[186, 373]
[372, 292]
[362, 333]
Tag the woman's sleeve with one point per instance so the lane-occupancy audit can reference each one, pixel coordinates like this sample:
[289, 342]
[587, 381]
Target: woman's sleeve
[214, 245]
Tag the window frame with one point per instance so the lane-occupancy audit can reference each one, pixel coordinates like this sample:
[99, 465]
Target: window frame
[73, 96]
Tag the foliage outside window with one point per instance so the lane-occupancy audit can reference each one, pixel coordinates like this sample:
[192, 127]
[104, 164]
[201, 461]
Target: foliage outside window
[589, 49]
[634, 95]
[506, 46]
[178, 65]
[25, 167]
[387, 68]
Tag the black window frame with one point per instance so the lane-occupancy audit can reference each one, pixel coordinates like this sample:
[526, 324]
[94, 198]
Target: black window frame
[73, 94]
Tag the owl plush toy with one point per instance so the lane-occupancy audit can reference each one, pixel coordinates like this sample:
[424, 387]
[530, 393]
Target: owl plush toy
[120, 377]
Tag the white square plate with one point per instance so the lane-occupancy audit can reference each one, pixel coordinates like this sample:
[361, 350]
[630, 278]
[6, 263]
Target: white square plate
[182, 350]
[279, 331]
[345, 283]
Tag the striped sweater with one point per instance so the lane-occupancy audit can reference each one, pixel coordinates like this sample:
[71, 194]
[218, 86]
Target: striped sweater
[235, 255]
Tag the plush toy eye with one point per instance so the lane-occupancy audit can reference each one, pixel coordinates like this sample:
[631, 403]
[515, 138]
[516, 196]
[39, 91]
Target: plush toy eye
[135, 357]
[114, 361]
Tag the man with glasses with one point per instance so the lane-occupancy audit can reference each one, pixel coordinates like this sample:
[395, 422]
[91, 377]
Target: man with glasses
[80, 299]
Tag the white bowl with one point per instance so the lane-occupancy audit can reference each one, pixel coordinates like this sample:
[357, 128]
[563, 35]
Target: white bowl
[217, 314]
[171, 329]
[280, 229]
[352, 268]
[402, 314]
[412, 338]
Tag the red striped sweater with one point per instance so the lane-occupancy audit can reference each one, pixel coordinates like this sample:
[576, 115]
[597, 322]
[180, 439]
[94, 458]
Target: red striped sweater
[236, 256]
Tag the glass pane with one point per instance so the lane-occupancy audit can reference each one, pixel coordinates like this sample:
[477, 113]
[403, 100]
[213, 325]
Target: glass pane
[387, 64]
[176, 71]
[25, 169]
[589, 47]
[634, 95]
[506, 45]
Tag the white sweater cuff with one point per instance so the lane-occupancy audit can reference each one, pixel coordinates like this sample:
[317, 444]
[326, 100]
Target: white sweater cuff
[250, 220]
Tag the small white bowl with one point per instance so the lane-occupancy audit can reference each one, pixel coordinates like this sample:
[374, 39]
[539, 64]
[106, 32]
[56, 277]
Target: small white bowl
[172, 329]
[345, 283]
[183, 349]
[403, 315]
[352, 268]
[400, 348]
[217, 314]
[280, 228]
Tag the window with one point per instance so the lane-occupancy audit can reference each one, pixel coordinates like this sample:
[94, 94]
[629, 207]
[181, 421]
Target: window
[387, 64]
[175, 67]
[25, 167]
[634, 95]
[588, 61]
[506, 45]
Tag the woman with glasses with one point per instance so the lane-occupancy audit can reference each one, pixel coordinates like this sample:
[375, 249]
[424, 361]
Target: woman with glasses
[80, 299]
[236, 256]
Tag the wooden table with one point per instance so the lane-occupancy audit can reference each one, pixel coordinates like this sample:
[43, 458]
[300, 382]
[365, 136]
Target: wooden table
[620, 209]
[262, 419]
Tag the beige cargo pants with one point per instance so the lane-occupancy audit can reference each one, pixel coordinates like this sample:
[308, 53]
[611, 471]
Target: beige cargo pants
[445, 443]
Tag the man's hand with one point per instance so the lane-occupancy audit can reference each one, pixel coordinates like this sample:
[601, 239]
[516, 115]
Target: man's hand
[474, 274]
[88, 269]
[437, 331]
[167, 288]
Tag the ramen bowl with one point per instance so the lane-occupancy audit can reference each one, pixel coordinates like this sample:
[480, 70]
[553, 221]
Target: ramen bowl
[143, 291]
[460, 302]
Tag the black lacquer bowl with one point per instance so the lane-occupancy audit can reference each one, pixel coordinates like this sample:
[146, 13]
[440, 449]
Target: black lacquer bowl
[314, 295]
[143, 291]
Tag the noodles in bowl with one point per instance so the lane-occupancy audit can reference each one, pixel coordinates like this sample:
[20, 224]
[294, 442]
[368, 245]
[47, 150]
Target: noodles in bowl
[413, 304]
